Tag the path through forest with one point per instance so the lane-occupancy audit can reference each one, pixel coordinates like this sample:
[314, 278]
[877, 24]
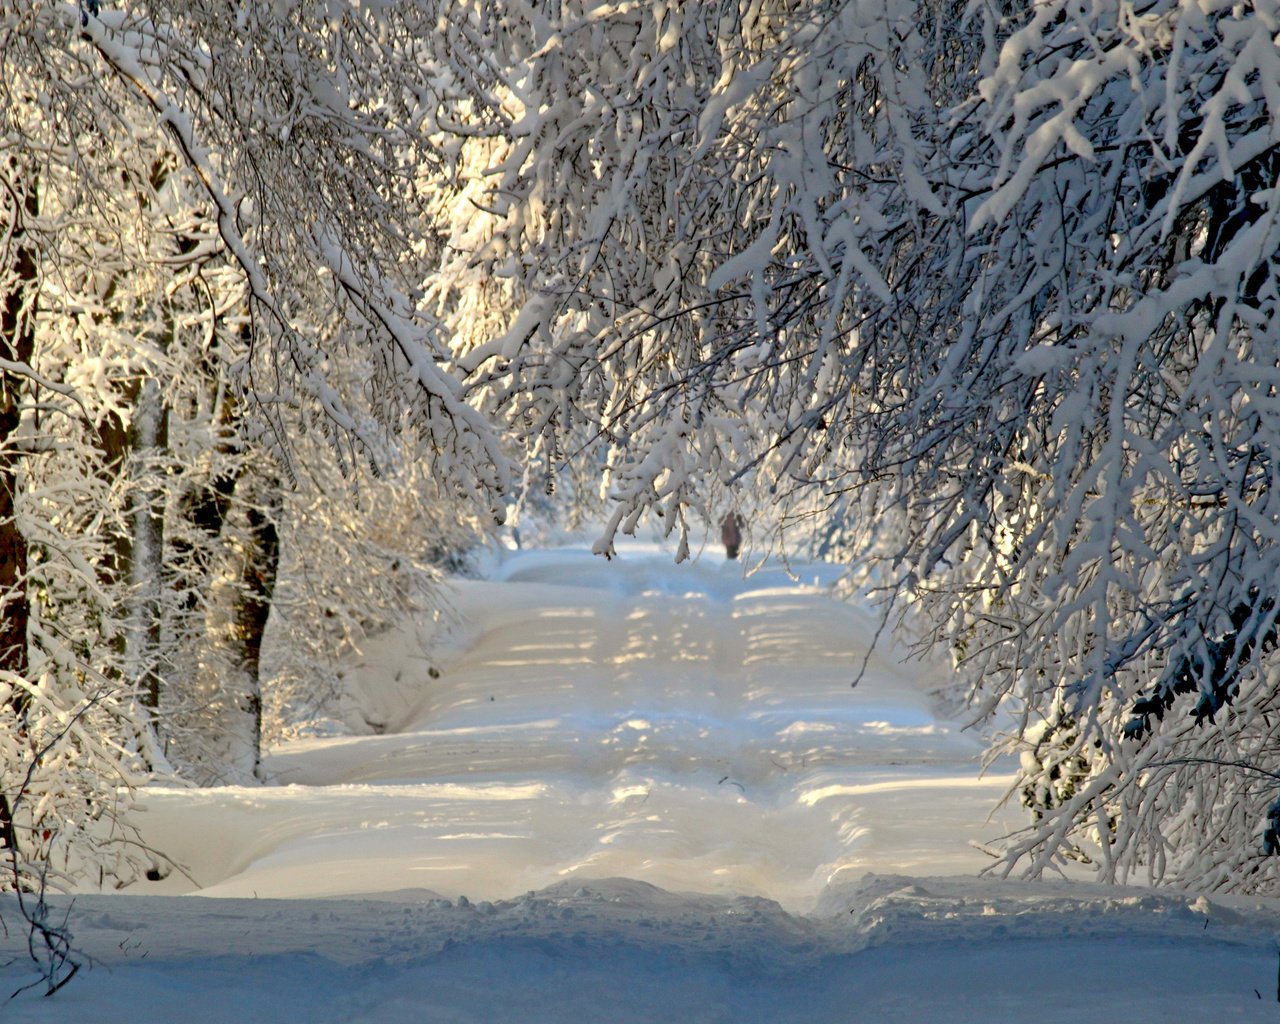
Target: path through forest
[688, 726]
[577, 819]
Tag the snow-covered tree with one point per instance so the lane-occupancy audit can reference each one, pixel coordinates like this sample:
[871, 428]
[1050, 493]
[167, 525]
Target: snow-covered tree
[306, 128]
[359, 555]
[1124, 349]
[206, 210]
[994, 283]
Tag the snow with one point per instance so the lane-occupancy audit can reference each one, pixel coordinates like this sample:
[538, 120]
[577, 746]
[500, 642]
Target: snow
[634, 791]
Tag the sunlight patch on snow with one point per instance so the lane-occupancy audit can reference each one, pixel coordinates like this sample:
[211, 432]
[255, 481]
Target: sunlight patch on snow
[1000, 783]
[624, 793]
[803, 728]
[889, 729]
[480, 835]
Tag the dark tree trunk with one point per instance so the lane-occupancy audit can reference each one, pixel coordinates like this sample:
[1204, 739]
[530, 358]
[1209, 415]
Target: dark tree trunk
[259, 548]
[17, 345]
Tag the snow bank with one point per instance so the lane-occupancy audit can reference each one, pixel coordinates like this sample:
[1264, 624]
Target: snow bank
[884, 949]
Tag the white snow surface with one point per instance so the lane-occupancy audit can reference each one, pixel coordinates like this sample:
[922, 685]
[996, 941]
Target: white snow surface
[636, 791]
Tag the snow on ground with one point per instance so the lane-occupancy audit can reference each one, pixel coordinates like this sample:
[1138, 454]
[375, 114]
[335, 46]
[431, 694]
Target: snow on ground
[679, 725]
[636, 792]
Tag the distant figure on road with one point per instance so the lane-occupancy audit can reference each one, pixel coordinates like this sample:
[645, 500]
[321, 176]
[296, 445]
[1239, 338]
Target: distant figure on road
[731, 535]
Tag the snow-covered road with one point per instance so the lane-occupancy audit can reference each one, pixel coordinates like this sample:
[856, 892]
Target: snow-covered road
[637, 792]
[680, 725]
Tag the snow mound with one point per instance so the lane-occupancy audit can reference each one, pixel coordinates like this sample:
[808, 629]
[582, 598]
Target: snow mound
[885, 949]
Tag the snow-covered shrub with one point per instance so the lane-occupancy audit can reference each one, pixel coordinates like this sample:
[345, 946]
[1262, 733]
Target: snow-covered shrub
[359, 554]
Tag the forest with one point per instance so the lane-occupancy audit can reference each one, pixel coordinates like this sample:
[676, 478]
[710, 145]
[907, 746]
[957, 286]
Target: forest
[302, 303]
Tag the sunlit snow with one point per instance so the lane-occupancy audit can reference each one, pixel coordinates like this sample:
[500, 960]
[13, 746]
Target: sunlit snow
[521, 838]
[688, 726]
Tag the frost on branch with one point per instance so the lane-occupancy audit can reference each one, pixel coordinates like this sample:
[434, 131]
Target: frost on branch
[1114, 551]
[307, 128]
[679, 210]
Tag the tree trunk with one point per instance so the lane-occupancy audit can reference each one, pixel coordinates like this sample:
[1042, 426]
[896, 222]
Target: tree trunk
[140, 449]
[139, 550]
[17, 345]
[150, 436]
[257, 545]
